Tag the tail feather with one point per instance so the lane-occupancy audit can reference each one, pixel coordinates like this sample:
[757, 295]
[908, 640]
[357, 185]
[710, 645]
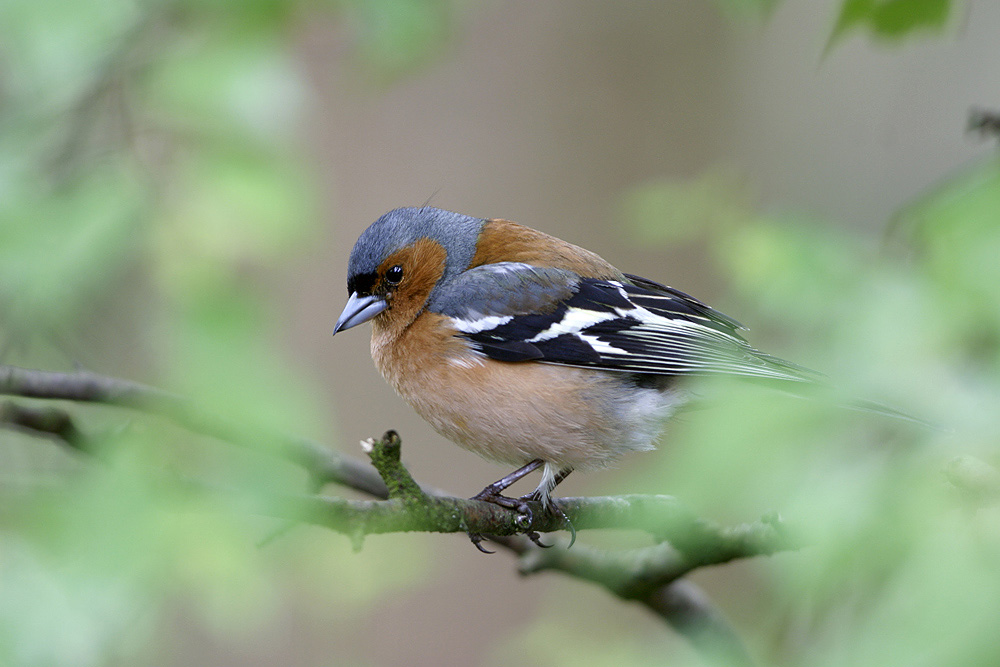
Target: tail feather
[822, 391]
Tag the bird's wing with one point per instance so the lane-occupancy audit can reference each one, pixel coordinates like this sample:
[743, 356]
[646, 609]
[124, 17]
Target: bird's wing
[511, 311]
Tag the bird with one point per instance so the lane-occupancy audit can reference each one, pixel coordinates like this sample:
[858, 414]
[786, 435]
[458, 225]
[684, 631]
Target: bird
[531, 351]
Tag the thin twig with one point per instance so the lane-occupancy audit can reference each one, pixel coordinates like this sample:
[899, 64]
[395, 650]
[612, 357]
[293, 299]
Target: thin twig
[650, 576]
[323, 465]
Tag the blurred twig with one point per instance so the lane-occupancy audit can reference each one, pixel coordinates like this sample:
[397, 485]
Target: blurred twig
[408, 507]
[48, 422]
[650, 576]
[105, 93]
[985, 122]
[323, 465]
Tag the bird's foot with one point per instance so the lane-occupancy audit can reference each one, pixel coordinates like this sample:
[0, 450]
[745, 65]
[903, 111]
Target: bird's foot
[536, 496]
[477, 540]
[519, 505]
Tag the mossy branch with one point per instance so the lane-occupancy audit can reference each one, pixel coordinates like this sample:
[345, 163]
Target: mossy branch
[650, 575]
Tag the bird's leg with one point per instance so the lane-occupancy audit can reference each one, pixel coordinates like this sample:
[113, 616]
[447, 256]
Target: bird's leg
[542, 496]
[494, 494]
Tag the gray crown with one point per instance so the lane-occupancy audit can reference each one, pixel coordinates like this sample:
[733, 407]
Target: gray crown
[399, 228]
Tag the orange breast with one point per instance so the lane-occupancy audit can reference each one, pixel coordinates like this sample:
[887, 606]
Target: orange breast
[516, 412]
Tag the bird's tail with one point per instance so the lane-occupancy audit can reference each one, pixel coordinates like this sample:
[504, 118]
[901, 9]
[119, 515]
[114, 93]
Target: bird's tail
[825, 392]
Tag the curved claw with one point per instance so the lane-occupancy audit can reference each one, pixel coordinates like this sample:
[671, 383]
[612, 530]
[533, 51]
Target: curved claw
[551, 507]
[572, 531]
[537, 540]
[567, 523]
[477, 539]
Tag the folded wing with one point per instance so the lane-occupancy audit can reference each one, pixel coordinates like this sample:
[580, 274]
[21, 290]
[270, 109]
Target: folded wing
[513, 312]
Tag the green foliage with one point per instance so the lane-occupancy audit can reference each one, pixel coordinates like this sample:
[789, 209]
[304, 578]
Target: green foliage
[57, 251]
[903, 567]
[583, 645]
[395, 37]
[956, 232]
[890, 19]
[151, 177]
[717, 199]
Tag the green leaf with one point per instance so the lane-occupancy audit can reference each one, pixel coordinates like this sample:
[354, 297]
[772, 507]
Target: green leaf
[52, 50]
[890, 19]
[221, 351]
[397, 36]
[234, 204]
[227, 83]
[670, 211]
[793, 260]
[59, 248]
[957, 230]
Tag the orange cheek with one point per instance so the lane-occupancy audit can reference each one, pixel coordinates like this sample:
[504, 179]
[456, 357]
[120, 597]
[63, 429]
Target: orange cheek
[423, 263]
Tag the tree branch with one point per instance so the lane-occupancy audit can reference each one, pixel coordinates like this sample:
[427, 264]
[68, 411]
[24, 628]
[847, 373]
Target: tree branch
[323, 465]
[650, 576]
[407, 507]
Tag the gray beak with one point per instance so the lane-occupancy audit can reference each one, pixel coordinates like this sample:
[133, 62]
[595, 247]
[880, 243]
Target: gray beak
[359, 309]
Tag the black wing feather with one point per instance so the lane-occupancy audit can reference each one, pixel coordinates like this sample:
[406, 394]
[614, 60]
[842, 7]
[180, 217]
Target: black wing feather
[632, 325]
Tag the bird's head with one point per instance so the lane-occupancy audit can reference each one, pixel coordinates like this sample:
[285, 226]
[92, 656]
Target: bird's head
[401, 258]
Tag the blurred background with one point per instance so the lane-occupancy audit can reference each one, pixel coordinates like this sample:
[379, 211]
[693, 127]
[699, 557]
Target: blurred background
[180, 186]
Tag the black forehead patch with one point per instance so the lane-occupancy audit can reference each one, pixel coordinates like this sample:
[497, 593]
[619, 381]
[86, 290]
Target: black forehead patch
[361, 284]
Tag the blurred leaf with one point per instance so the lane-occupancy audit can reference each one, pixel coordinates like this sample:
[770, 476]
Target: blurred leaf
[155, 143]
[668, 211]
[232, 83]
[53, 49]
[896, 575]
[957, 231]
[910, 585]
[59, 249]
[578, 647]
[798, 270]
[95, 616]
[103, 552]
[327, 569]
[232, 207]
[959, 222]
[752, 443]
[220, 351]
[211, 559]
[271, 15]
[890, 19]
[397, 36]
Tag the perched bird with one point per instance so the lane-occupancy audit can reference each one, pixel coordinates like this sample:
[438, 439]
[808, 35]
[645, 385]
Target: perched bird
[529, 350]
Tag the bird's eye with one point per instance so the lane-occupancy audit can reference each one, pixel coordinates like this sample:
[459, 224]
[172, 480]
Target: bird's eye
[394, 275]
